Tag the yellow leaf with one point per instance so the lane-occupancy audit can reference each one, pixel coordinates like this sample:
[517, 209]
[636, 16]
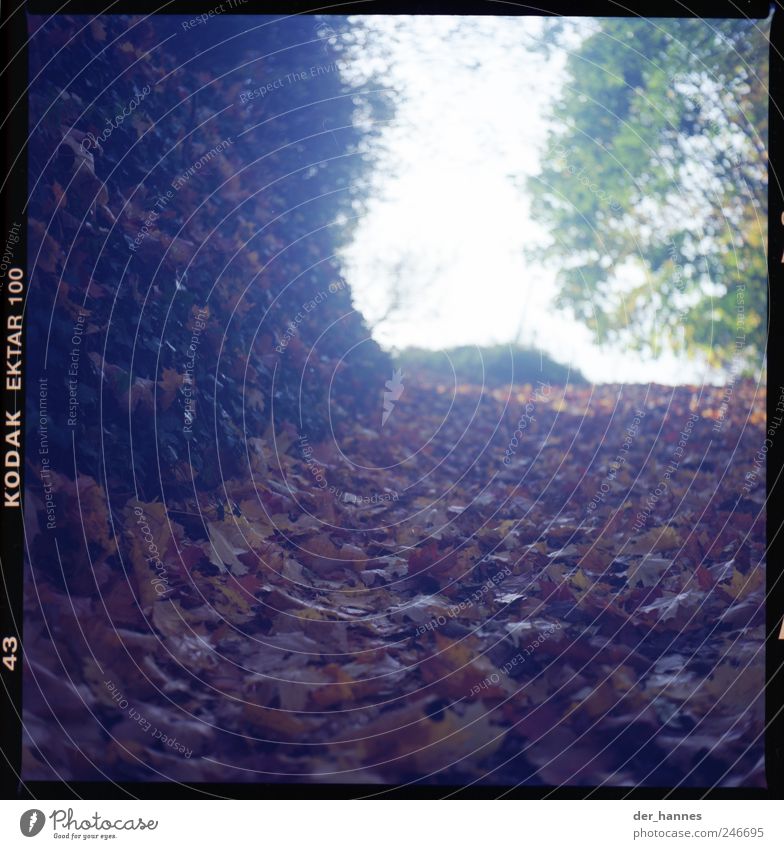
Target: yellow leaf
[580, 580]
[744, 585]
[237, 598]
[277, 724]
[656, 539]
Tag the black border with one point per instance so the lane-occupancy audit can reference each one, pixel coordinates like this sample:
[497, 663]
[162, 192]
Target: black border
[13, 198]
[588, 8]
[13, 37]
[774, 654]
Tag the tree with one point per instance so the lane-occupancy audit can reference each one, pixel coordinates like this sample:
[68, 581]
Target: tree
[653, 186]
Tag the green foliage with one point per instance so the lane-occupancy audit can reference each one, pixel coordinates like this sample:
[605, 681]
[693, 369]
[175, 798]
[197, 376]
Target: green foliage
[494, 366]
[653, 186]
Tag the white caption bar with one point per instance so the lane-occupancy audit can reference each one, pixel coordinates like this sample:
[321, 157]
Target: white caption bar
[390, 824]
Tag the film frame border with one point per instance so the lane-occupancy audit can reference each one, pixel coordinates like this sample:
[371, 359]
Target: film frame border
[13, 189]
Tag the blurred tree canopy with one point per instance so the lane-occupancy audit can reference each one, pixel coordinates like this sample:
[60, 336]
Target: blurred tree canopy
[653, 186]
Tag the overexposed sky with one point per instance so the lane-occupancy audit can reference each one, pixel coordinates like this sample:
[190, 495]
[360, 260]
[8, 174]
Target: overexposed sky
[449, 226]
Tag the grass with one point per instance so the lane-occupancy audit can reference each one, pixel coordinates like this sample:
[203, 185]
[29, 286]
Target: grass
[496, 365]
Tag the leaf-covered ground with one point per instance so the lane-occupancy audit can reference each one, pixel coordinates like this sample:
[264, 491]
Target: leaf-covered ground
[434, 599]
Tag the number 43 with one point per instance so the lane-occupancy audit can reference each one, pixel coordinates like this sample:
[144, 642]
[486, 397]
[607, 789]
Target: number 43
[10, 645]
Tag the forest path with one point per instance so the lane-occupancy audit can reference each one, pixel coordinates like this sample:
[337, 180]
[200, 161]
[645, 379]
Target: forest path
[552, 587]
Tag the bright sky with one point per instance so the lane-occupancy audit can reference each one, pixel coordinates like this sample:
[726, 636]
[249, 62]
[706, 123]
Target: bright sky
[449, 223]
